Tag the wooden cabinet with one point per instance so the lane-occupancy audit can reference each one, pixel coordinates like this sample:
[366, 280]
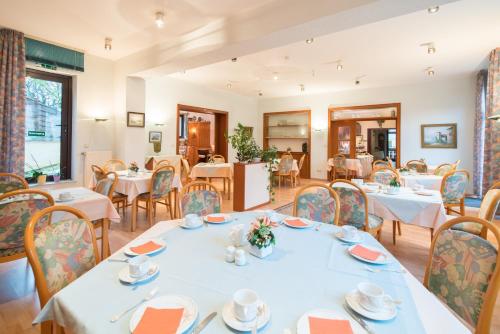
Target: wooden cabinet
[199, 134]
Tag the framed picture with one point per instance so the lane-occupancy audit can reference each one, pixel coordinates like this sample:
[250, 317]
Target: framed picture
[135, 119]
[154, 136]
[438, 135]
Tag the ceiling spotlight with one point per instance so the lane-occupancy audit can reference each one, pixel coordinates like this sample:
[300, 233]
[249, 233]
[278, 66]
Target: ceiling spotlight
[431, 49]
[309, 40]
[430, 71]
[234, 60]
[357, 82]
[229, 85]
[107, 44]
[433, 10]
[275, 76]
[340, 67]
[159, 20]
[302, 88]
[260, 93]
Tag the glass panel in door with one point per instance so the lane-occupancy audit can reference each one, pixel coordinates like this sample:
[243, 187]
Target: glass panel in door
[344, 139]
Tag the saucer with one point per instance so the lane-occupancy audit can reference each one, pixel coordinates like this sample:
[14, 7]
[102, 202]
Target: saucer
[356, 240]
[190, 227]
[231, 321]
[384, 314]
[424, 192]
[139, 242]
[169, 301]
[61, 200]
[227, 218]
[303, 323]
[124, 275]
[382, 259]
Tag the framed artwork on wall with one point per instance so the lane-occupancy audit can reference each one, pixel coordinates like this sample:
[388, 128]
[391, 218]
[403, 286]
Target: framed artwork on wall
[438, 135]
[136, 119]
[154, 136]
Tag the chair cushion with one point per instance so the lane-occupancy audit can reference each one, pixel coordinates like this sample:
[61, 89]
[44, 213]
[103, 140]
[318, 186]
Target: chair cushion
[11, 251]
[374, 221]
[473, 228]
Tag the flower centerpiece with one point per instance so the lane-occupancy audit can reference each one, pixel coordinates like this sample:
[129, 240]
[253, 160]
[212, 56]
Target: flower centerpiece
[133, 168]
[261, 237]
[394, 186]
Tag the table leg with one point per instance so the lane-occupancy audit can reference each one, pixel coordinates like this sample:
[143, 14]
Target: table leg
[176, 203]
[228, 188]
[105, 238]
[134, 215]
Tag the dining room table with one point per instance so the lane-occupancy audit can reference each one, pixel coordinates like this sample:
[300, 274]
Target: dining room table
[361, 165]
[427, 181]
[309, 269]
[209, 170]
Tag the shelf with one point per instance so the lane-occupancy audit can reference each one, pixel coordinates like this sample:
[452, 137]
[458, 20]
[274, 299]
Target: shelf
[286, 137]
[287, 126]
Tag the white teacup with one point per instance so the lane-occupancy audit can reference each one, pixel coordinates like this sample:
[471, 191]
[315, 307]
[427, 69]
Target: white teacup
[245, 304]
[66, 195]
[372, 296]
[274, 216]
[138, 266]
[192, 219]
[349, 232]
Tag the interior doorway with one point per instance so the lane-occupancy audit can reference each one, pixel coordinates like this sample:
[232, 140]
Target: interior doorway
[201, 133]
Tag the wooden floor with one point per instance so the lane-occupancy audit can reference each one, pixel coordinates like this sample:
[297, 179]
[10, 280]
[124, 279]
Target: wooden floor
[19, 302]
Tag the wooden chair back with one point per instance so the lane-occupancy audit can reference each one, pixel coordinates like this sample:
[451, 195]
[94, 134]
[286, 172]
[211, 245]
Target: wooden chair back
[442, 169]
[218, 159]
[198, 186]
[106, 186]
[161, 182]
[381, 163]
[11, 182]
[444, 183]
[382, 169]
[98, 172]
[317, 207]
[163, 162]
[418, 165]
[285, 165]
[301, 161]
[346, 217]
[114, 165]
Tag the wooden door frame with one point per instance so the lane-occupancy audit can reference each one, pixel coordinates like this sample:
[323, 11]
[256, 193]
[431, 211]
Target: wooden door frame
[370, 106]
[219, 135]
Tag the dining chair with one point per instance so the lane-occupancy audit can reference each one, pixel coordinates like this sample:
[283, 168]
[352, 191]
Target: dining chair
[339, 166]
[443, 169]
[114, 165]
[419, 165]
[453, 187]
[301, 164]
[487, 211]
[286, 154]
[105, 187]
[317, 202]
[162, 162]
[11, 182]
[117, 199]
[160, 188]
[16, 208]
[354, 206]
[285, 169]
[463, 272]
[383, 175]
[200, 198]
[185, 170]
[381, 163]
[456, 163]
[59, 252]
[218, 159]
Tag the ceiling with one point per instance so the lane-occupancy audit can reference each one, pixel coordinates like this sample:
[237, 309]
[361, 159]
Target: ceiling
[383, 53]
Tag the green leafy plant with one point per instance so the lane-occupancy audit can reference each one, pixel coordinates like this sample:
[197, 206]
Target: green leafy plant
[261, 234]
[269, 156]
[35, 172]
[395, 183]
[244, 144]
[133, 167]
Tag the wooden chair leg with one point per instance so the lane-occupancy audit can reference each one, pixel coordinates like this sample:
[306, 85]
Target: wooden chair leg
[169, 200]
[105, 238]
[432, 233]
[399, 227]
[394, 232]
[149, 207]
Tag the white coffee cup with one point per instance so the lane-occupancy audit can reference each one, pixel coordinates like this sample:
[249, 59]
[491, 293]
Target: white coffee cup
[274, 216]
[65, 195]
[349, 232]
[138, 266]
[372, 296]
[245, 304]
[192, 220]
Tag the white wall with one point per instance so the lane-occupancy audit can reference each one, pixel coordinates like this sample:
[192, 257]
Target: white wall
[436, 101]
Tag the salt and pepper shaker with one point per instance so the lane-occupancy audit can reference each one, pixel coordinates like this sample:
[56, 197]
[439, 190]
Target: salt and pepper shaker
[230, 252]
[240, 257]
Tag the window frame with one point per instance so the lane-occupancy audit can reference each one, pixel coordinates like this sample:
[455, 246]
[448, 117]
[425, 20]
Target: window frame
[66, 117]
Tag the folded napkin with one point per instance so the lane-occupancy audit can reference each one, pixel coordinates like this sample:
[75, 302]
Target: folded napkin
[147, 247]
[329, 326]
[296, 222]
[365, 253]
[156, 321]
[215, 219]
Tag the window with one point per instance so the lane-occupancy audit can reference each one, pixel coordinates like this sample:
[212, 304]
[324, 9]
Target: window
[48, 125]
[183, 126]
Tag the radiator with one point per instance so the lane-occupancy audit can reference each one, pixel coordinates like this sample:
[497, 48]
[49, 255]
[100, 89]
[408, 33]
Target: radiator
[93, 158]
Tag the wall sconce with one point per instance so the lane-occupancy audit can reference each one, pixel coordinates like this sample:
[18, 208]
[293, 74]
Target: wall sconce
[495, 117]
[318, 130]
[100, 119]
[159, 124]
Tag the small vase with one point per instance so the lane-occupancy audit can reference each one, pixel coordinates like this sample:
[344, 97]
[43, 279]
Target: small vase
[57, 178]
[41, 179]
[261, 252]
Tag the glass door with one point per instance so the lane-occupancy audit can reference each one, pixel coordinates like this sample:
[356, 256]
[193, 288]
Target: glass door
[344, 138]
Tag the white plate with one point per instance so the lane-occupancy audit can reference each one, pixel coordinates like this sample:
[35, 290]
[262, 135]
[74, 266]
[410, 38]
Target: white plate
[387, 313]
[124, 275]
[139, 242]
[190, 227]
[303, 323]
[65, 200]
[382, 259]
[227, 218]
[169, 301]
[424, 193]
[357, 240]
[388, 193]
[231, 321]
[308, 224]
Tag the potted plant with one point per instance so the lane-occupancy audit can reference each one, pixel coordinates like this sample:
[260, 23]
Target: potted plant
[261, 237]
[133, 168]
[269, 156]
[394, 186]
[37, 173]
[244, 144]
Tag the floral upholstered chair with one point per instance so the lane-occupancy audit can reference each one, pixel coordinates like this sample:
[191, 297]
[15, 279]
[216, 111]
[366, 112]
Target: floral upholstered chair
[339, 166]
[159, 190]
[463, 272]
[453, 188]
[106, 187]
[11, 182]
[443, 169]
[200, 198]
[383, 175]
[16, 209]
[317, 202]
[285, 169]
[419, 165]
[59, 252]
[354, 208]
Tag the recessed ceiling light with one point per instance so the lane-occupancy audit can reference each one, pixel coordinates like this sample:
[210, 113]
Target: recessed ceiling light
[340, 67]
[431, 49]
[234, 60]
[309, 40]
[275, 76]
[260, 93]
[107, 44]
[432, 10]
[159, 20]
[229, 85]
[430, 71]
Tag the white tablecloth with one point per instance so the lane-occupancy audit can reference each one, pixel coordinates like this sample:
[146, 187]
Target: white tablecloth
[212, 170]
[295, 166]
[94, 205]
[431, 182]
[303, 273]
[362, 165]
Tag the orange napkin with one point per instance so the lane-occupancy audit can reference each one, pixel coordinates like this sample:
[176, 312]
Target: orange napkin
[295, 222]
[164, 321]
[329, 326]
[365, 253]
[215, 219]
[149, 246]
